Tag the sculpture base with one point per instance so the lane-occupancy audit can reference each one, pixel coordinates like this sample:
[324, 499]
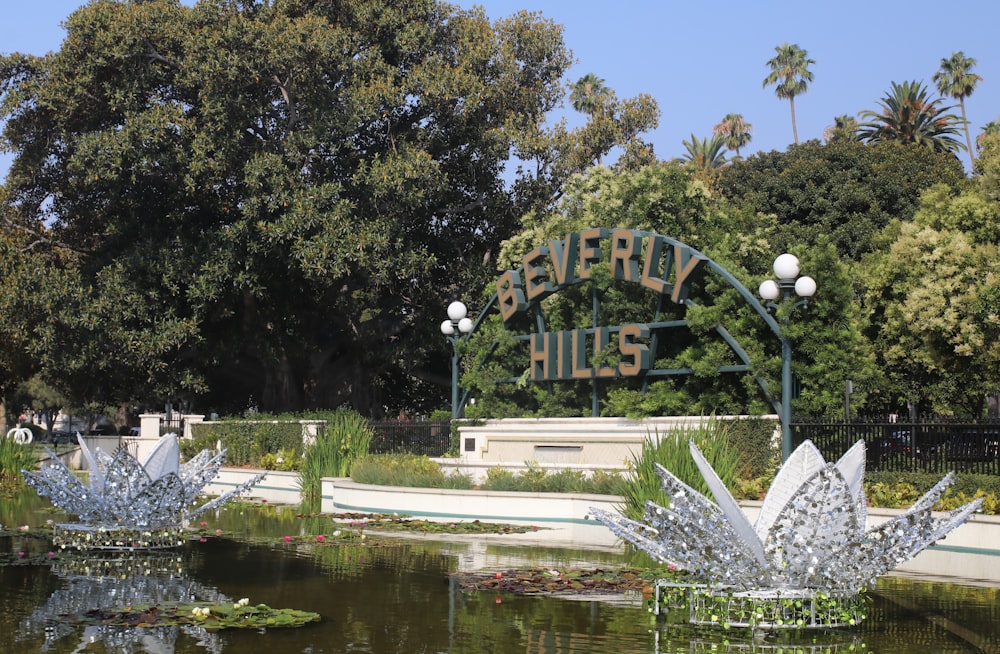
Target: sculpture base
[770, 608]
[116, 537]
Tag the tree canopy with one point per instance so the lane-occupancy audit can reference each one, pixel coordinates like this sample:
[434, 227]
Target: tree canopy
[272, 203]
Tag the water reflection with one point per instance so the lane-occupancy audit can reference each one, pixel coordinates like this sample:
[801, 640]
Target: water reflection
[105, 581]
[399, 597]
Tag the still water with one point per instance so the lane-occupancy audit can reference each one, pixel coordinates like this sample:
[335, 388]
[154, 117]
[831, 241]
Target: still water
[399, 597]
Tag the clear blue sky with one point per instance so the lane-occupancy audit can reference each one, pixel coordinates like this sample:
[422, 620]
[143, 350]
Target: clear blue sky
[701, 60]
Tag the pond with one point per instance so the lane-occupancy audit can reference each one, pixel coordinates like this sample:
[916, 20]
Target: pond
[399, 594]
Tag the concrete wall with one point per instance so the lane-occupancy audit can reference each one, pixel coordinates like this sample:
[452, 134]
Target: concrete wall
[579, 443]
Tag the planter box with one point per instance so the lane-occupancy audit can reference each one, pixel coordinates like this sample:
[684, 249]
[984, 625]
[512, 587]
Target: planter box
[562, 518]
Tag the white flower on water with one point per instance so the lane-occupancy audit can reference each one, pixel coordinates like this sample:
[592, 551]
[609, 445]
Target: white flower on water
[122, 492]
[811, 531]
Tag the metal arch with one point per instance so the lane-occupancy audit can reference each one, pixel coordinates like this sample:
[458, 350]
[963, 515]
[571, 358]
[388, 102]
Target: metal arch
[712, 265]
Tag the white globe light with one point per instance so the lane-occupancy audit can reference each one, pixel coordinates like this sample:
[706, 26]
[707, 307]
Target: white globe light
[447, 328]
[768, 289]
[456, 311]
[805, 286]
[465, 325]
[786, 266]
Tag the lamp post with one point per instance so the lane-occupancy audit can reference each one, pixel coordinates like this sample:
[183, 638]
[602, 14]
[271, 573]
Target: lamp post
[454, 328]
[788, 286]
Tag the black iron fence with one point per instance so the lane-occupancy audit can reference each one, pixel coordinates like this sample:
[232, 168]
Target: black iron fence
[935, 445]
[396, 436]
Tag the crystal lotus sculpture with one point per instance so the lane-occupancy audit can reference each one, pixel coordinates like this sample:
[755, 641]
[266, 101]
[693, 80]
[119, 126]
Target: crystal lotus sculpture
[811, 534]
[124, 498]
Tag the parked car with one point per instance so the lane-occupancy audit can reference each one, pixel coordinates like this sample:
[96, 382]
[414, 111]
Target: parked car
[898, 442]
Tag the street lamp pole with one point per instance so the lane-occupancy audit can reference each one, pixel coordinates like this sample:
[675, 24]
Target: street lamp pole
[788, 286]
[455, 328]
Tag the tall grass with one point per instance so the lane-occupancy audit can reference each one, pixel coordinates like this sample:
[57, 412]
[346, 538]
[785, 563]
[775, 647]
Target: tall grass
[344, 440]
[671, 451]
[14, 458]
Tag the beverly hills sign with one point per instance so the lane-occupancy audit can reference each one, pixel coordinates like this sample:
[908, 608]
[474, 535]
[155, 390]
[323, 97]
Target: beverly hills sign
[659, 263]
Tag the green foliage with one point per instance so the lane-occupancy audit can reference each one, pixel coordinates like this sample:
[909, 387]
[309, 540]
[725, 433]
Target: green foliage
[932, 301]
[240, 187]
[754, 439]
[248, 441]
[671, 450]
[895, 490]
[340, 444]
[844, 191]
[398, 470]
[285, 460]
[13, 459]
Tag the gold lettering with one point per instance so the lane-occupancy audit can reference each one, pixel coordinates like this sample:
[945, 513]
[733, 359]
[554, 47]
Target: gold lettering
[635, 356]
[579, 368]
[590, 250]
[625, 250]
[536, 285]
[564, 258]
[510, 297]
[685, 264]
[601, 338]
[651, 266]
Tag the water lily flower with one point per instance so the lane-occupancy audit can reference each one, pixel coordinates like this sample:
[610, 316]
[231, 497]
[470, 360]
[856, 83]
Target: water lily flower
[287, 539]
[321, 538]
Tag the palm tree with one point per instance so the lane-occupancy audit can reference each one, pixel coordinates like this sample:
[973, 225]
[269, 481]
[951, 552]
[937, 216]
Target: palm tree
[844, 128]
[705, 154]
[992, 127]
[735, 132]
[956, 79]
[589, 94]
[790, 72]
[909, 116]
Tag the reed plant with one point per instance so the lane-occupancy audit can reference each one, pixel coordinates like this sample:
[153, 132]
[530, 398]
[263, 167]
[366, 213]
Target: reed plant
[13, 459]
[672, 451]
[339, 445]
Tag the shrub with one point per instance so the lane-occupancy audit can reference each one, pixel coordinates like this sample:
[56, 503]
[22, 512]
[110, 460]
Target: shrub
[246, 442]
[398, 470]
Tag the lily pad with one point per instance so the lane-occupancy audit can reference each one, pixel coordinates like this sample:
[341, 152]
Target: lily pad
[210, 616]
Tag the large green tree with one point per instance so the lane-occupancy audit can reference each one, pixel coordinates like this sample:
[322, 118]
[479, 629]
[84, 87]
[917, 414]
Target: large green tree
[956, 79]
[269, 203]
[909, 115]
[790, 76]
[933, 298]
[845, 191]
